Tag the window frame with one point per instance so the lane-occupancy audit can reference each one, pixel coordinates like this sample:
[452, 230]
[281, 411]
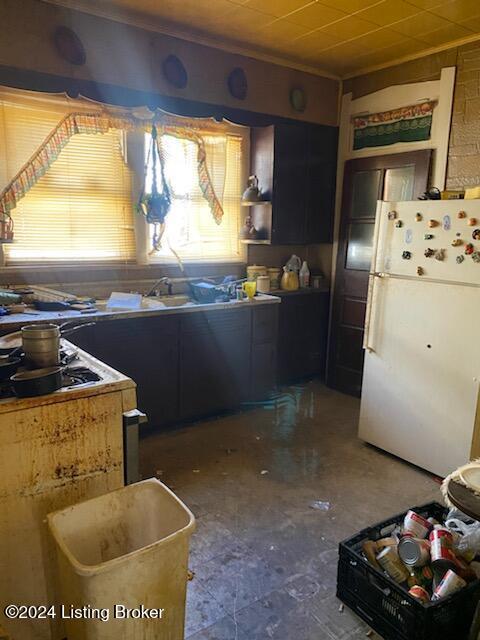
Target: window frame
[136, 164]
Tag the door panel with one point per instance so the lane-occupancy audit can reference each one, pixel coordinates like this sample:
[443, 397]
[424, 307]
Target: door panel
[353, 312]
[402, 176]
[359, 248]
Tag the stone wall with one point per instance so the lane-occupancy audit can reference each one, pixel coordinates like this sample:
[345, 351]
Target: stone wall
[464, 150]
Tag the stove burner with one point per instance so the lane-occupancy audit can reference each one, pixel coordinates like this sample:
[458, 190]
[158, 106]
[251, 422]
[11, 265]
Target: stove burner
[73, 376]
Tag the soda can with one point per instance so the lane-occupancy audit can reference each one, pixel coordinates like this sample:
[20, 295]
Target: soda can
[389, 561]
[417, 525]
[414, 552]
[419, 593]
[450, 583]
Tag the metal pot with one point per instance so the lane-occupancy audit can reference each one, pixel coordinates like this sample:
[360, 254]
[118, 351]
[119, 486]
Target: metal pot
[41, 344]
[38, 382]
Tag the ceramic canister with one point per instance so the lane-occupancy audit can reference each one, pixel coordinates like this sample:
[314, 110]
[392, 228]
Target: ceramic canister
[255, 270]
[274, 274]
[263, 284]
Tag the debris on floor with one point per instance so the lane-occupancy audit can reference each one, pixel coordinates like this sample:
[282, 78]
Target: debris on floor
[263, 472]
[190, 575]
[319, 505]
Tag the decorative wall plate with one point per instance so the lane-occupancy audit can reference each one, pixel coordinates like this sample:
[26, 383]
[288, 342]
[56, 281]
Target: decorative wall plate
[174, 72]
[298, 99]
[237, 83]
[69, 46]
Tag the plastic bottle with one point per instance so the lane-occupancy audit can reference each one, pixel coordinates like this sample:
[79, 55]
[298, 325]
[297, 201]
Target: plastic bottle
[304, 275]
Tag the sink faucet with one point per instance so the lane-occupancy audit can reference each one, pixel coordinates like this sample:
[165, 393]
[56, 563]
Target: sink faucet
[165, 280]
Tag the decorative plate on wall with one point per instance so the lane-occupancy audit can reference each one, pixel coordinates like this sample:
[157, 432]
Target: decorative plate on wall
[69, 46]
[298, 99]
[238, 84]
[175, 72]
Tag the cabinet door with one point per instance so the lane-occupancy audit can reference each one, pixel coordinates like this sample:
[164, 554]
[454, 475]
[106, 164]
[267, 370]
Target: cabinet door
[320, 193]
[214, 361]
[289, 184]
[302, 338]
[264, 351]
[145, 350]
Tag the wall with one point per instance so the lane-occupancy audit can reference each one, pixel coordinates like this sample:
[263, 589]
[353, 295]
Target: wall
[464, 151]
[463, 168]
[131, 57]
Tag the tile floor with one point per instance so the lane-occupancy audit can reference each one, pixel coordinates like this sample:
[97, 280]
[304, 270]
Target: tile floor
[264, 559]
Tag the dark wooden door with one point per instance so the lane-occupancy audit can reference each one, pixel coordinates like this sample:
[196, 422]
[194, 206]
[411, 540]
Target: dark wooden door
[397, 177]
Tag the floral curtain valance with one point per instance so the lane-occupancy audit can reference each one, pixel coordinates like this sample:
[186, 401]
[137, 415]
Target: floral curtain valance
[407, 124]
[90, 123]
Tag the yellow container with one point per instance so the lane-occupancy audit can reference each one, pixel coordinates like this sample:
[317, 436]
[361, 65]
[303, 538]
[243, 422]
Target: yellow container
[289, 281]
[250, 289]
[120, 552]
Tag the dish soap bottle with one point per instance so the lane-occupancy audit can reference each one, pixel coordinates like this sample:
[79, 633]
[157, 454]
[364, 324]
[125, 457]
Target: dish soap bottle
[304, 275]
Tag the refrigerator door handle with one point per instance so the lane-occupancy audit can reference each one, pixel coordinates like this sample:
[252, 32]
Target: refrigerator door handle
[371, 279]
[370, 311]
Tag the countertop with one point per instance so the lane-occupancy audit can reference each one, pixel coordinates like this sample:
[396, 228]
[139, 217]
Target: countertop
[15, 321]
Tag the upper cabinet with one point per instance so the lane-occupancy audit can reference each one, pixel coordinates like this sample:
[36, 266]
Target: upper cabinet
[296, 169]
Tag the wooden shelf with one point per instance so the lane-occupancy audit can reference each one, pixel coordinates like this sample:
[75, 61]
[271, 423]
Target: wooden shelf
[246, 241]
[246, 203]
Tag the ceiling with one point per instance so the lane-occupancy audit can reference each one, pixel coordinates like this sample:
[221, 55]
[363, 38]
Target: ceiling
[340, 37]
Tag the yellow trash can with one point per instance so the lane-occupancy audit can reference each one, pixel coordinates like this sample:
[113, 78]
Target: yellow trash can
[122, 564]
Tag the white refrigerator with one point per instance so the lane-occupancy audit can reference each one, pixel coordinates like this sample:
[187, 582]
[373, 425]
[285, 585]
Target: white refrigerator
[420, 395]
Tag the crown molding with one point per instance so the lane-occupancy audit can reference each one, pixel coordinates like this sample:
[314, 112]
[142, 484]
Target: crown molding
[99, 10]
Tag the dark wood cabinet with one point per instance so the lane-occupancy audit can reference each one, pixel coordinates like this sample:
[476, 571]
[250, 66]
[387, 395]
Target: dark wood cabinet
[302, 335]
[146, 350]
[296, 168]
[190, 365]
[214, 361]
[264, 351]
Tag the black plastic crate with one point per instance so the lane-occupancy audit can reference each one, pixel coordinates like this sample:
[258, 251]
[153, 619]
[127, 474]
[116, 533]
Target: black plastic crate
[388, 608]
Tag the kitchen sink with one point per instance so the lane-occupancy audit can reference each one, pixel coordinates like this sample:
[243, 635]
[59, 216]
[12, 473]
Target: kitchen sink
[149, 303]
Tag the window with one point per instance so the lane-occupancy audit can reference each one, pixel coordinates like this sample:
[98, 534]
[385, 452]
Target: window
[81, 209]
[190, 229]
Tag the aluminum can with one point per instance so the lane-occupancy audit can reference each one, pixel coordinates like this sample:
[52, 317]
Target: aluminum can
[450, 583]
[414, 552]
[417, 525]
[388, 559]
[441, 551]
[442, 532]
[419, 593]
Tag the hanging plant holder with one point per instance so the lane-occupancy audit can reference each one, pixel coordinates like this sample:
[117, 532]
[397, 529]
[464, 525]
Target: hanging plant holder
[155, 205]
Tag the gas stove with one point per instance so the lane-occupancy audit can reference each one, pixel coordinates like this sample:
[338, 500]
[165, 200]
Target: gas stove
[72, 377]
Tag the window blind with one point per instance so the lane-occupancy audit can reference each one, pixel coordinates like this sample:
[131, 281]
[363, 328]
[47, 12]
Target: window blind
[191, 230]
[81, 209]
